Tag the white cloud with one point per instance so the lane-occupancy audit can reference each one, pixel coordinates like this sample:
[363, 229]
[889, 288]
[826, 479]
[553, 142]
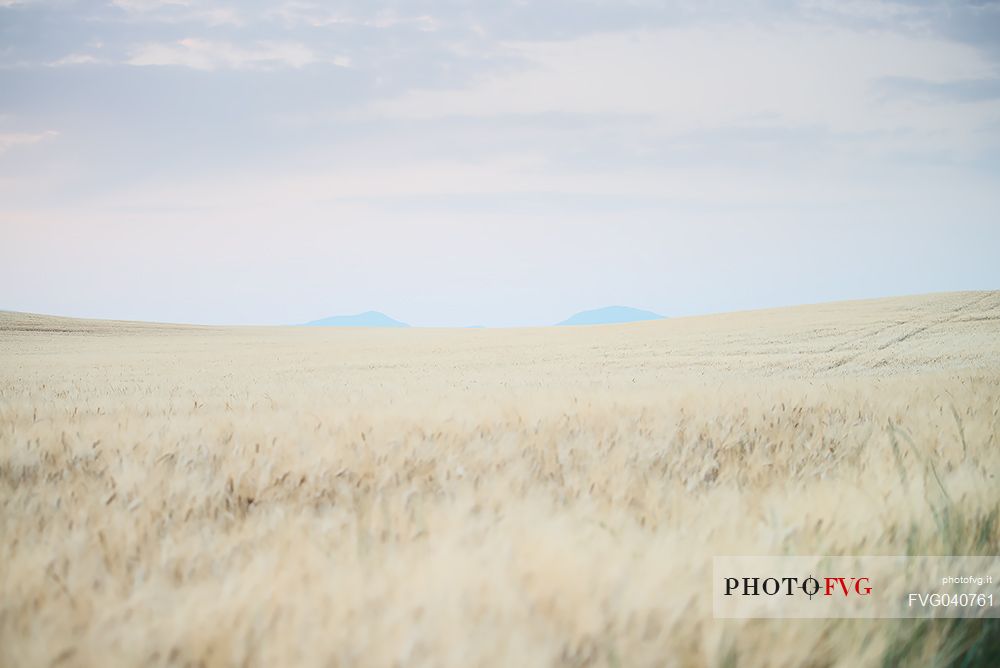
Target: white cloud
[217, 16]
[10, 140]
[176, 11]
[206, 55]
[76, 59]
[866, 9]
[312, 14]
[700, 78]
[149, 5]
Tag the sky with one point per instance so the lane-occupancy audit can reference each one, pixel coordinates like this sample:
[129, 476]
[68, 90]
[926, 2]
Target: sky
[492, 163]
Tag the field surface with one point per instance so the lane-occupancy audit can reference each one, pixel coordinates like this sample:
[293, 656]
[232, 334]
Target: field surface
[178, 495]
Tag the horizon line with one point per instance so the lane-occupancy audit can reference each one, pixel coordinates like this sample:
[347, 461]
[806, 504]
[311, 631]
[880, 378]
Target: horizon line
[4, 311]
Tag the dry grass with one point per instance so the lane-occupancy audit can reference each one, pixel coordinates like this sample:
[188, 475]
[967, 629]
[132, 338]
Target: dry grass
[536, 497]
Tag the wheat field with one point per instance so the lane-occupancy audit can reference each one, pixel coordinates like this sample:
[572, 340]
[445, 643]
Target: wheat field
[180, 495]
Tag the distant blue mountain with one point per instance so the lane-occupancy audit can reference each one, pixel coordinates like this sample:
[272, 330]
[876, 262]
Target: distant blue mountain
[609, 315]
[366, 319]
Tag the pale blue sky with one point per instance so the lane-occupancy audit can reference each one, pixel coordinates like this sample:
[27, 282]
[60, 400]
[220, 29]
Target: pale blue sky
[494, 163]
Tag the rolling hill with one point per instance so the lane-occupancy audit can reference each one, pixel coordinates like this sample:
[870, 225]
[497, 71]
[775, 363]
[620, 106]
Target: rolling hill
[610, 315]
[366, 319]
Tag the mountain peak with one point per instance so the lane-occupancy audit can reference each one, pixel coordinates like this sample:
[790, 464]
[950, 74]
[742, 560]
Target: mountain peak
[610, 315]
[366, 319]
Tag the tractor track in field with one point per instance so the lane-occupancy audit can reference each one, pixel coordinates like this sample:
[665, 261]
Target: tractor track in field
[954, 315]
